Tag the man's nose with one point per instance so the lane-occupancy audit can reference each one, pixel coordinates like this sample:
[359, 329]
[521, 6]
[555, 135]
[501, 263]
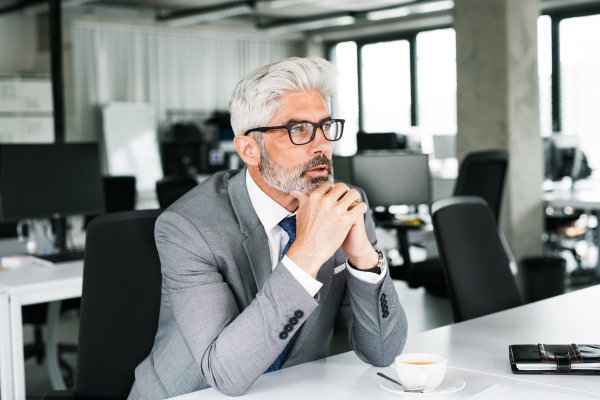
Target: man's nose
[319, 143]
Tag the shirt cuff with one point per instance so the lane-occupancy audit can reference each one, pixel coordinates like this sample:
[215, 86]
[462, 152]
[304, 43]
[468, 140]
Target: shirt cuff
[369, 277]
[309, 283]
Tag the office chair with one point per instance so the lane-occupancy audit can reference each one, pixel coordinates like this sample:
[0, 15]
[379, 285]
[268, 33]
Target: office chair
[476, 267]
[174, 194]
[119, 305]
[171, 183]
[481, 174]
[119, 195]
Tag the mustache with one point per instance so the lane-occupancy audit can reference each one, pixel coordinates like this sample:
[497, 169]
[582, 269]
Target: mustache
[315, 162]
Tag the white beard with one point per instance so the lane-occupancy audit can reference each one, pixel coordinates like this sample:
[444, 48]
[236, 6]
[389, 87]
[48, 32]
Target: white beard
[288, 179]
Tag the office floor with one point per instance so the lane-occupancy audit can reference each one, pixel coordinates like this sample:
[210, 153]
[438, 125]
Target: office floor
[423, 311]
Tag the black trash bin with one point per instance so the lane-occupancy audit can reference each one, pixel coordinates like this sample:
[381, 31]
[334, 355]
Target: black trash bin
[543, 277]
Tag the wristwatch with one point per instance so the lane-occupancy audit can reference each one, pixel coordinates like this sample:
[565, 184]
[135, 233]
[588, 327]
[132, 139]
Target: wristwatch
[376, 269]
[381, 259]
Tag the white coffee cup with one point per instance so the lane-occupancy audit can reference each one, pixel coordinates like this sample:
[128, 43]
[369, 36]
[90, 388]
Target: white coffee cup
[421, 371]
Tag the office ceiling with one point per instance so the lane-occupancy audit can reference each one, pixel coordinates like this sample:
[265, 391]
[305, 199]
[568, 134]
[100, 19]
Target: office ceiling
[280, 16]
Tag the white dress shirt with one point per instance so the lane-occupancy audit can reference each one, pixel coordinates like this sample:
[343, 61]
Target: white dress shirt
[270, 214]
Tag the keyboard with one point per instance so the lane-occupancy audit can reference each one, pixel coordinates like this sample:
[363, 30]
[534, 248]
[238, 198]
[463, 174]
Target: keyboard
[59, 258]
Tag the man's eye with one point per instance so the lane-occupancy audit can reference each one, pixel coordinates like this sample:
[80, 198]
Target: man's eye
[296, 129]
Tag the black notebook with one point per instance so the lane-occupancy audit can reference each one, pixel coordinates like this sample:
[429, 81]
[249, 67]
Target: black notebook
[572, 359]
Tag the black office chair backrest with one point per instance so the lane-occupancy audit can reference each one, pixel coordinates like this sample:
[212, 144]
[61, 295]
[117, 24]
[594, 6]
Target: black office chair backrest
[119, 193]
[120, 302]
[483, 174]
[475, 264]
[167, 184]
[174, 194]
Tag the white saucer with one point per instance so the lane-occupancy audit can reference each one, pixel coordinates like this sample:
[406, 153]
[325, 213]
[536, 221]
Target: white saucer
[450, 384]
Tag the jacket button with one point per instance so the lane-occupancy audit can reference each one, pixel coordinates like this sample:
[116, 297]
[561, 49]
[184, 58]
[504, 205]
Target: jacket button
[385, 315]
[299, 314]
[283, 335]
[293, 320]
[288, 328]
[384, 309]
[383, 296]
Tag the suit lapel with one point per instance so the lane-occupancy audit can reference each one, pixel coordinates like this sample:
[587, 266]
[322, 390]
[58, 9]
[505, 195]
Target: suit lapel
[256, 245]
[257, 250]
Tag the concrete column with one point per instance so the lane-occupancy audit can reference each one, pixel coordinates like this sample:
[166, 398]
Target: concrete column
[498, 106]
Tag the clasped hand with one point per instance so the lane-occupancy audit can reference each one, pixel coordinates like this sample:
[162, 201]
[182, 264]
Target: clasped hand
[332, 216]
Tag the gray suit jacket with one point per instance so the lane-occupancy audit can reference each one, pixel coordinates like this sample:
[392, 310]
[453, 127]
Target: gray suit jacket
[223, 309]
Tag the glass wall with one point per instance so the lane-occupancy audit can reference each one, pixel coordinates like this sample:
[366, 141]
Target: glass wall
[436, 80]
[545, 73]
[345, 102]
[386, 86]
[580, 83]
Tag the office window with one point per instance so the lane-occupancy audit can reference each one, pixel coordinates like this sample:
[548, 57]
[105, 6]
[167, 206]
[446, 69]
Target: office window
[386, 86]
[545, 73]
[436, 80]
[345, 102]
[580, 83]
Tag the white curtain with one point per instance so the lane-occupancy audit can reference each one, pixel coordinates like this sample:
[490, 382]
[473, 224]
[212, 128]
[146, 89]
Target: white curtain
[168, 68]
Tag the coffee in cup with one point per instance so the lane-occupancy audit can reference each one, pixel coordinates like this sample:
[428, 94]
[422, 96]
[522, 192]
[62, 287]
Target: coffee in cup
[421, 371]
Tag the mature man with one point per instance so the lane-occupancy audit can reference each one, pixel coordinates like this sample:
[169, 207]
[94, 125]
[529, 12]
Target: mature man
[257, 262]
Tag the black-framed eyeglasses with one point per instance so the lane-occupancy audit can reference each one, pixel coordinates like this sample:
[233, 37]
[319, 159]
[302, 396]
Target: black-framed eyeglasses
[304, 132]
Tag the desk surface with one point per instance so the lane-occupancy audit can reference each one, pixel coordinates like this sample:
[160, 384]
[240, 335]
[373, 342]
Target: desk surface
[477, 351]
[37, 284]
[587, 199]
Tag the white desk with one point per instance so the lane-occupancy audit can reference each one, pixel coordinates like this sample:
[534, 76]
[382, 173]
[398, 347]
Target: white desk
[481, 344]
[26, 285]
[477, 351]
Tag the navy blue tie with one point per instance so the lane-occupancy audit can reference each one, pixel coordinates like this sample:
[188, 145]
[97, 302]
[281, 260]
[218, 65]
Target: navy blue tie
[289, 226]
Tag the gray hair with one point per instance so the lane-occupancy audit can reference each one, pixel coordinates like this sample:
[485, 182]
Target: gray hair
[257, 97]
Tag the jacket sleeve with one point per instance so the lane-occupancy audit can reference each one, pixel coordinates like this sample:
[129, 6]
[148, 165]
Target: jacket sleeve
[376, 321]
[231, 348]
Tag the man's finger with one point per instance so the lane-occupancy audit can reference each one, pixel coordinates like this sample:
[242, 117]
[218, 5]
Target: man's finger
[359, 210]
[323, 189]
[350, 197]
[356, 202]
[338, 191]
[301, 196]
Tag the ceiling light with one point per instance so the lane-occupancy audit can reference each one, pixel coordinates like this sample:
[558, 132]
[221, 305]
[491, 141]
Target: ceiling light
[312, 25]
[285, 3]
[410, 10]
[206, 16]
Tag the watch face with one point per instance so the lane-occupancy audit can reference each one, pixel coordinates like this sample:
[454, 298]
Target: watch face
[381, 258]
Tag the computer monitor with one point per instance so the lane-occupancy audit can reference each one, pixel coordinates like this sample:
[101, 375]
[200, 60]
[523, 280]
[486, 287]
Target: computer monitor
[49, 180]
[380, 141]
[342, 169]
[391, 178]
[564, 158]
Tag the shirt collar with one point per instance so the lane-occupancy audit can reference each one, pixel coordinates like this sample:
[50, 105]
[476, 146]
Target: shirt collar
[268, 210]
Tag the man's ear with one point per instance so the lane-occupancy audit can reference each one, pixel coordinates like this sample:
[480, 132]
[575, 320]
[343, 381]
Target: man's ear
[248, 150]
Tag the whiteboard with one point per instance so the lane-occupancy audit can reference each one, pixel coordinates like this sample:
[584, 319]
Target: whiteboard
[26, 130]
[25, 95]
[131, 143]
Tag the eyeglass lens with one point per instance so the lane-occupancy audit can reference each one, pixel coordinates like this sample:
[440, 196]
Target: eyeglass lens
[302, 133]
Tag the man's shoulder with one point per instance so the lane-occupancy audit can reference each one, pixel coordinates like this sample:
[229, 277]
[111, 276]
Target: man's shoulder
[350, 186]
[208, 199]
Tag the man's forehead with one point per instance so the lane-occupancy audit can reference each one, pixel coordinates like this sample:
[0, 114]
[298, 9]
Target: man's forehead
[303, 106]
